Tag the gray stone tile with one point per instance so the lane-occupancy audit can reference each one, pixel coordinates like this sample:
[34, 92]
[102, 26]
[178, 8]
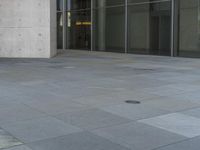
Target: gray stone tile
[138, 95]
[192, 112]
[137, 82]
[98, 100]
[137, 136]
[39, 129]
[134, 112]
[114, 98]
[78, 141]
[74, 83]
[33, 82]
[192, 96]
[5, 102]
[56, 106]
[186, 87]
[178, 123]
[22, 147]
[92, 119]
[7, 140]
[18, 112]
[171, 104]
[166, 90]
[162, 75]
[191, 144]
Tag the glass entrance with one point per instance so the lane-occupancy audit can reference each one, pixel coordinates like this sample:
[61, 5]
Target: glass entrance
[133, 26]
[149, 27]
[78, 30]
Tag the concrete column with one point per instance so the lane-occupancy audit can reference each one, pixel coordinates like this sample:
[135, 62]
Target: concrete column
[101, 24]
[28, 28]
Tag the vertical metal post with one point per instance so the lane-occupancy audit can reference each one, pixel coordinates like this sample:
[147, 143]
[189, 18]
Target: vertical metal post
[92, 24]
[126, 26]
[64, 24]
[176, 26]
[172, 26]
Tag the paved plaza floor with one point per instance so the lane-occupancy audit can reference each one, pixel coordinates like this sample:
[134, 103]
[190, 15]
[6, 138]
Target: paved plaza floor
[78, 101]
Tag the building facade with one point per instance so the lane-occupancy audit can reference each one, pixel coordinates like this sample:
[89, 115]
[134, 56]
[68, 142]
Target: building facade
[38, 28]
[155, 27]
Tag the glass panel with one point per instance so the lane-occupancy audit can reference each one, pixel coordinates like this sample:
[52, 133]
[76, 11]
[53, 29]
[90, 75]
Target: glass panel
[189, 28]
[149, 28]
[59, 5]
[144, 1]
[79, 30]
[98, 3]
[59, 30]
[109, 29]
[78, 4]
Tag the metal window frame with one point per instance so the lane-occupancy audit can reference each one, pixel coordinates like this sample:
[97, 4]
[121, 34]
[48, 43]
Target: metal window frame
[172, 26]
[126, 26]
[64, 25]
[176, 27]
[92, 26]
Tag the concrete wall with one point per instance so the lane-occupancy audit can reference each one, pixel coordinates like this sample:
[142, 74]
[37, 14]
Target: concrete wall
[27, 28]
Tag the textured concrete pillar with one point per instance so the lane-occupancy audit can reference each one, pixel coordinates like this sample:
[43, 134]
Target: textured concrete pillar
[27, 28]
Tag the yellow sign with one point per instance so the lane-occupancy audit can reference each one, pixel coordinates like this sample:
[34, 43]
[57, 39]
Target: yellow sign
[84, 23]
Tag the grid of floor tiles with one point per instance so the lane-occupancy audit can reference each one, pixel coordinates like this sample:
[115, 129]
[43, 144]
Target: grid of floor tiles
[76, 101]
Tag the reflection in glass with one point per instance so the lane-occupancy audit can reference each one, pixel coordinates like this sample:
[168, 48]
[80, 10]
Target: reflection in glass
[149, 28]
[78, 4]
[143, 1]
[59, 30]
[189, 29]
[79, 30]
[59, 5]
[109, 28]
[108, 3]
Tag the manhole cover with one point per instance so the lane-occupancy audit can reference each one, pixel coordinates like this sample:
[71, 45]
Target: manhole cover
[132, 102]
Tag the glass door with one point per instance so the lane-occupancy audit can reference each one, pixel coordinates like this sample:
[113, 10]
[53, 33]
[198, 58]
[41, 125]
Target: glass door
[78, 30]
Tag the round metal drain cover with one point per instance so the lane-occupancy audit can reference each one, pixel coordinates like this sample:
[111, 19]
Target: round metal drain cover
[132, 102]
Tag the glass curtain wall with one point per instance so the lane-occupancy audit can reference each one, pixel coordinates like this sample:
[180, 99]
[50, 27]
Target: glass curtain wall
[149, 27]
[133, 26]
[189, 28]
[109, 25]
[78, 26]
[60, 24]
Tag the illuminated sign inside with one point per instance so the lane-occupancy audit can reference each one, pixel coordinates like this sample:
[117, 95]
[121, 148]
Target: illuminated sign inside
[83, 23]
